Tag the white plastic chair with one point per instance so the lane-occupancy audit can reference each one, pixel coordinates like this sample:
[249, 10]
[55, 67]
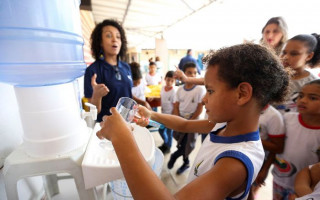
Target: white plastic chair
[19, 165]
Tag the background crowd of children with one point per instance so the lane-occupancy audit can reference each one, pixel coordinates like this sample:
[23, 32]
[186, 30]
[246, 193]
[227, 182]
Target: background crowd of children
[289, 131]
[282, 126]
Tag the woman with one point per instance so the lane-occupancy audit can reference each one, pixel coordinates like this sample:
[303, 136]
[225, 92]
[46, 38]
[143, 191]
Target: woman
[275, 34]
[108, 78]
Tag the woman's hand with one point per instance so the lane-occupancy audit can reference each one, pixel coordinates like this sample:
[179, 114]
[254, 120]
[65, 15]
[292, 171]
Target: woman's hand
[142, 118]
[113, 125]
[99, 90]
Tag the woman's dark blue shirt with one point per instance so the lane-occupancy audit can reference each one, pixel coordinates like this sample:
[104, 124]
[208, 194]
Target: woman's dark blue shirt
[107, 74]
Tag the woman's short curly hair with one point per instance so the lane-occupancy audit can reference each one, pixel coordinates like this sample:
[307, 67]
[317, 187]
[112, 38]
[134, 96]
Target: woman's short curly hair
[255, 65]
[96, 38]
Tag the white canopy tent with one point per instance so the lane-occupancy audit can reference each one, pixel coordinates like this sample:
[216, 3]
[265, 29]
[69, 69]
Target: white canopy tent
[204, 24]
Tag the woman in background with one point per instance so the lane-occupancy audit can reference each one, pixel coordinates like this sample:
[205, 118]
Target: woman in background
[108, 78]
[275, 34]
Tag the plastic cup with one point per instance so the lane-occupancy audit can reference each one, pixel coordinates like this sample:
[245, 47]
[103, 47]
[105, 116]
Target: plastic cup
[127, 108]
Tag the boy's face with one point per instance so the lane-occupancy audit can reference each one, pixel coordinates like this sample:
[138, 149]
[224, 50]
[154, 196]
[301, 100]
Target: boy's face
[169, 81]
[152, 68]
[191, 72]
[308, 101]
[220, 100]
[136, 82]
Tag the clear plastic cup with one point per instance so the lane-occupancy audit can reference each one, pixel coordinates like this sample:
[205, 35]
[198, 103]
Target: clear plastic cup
[127, 108]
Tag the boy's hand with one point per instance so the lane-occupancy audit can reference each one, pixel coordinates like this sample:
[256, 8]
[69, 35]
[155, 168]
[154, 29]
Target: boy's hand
[113, 125]
[147, 105]
[99, 90]
[178, 74]
[142, 117]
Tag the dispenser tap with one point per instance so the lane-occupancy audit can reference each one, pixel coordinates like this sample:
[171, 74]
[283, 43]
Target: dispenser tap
[92, 113]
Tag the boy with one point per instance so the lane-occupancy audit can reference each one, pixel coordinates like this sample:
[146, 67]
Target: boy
[167, 98]
[240, 81]
[187, 104]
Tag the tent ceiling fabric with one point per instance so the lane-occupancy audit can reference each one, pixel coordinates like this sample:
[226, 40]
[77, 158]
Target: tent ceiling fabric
[143, 20]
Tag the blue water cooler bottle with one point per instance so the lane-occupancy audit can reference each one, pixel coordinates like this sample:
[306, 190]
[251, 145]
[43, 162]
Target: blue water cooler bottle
[41, 55]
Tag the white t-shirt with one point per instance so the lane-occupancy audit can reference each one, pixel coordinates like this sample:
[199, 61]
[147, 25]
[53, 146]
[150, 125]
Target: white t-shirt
[302, 141]
[247, 148]
[139, 91]
[271, 124]
[153, 80]
[189, 99]
[167, 98]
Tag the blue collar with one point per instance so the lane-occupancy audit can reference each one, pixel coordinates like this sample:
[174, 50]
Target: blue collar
[253, 136]
[184, 87]
[105, 63]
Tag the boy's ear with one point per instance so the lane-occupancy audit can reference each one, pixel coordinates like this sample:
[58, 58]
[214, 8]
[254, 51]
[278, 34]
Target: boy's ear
[244, 92]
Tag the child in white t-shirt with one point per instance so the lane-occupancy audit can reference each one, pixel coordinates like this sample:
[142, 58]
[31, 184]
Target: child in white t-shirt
[167, 98]
[302, 140]
[187, 104]
[139, 85]
[152, 77]
[271, 128]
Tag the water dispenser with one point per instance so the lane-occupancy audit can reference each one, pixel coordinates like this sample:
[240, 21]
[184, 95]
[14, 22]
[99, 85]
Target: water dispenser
[41, 55]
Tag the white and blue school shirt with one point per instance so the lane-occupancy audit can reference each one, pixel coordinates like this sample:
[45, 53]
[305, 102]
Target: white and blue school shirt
[167, 98]
[189, 99]
[247, 148]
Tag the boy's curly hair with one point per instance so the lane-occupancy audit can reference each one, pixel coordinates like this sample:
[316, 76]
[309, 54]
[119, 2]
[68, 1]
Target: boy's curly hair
[96, 38]
[254, 64]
